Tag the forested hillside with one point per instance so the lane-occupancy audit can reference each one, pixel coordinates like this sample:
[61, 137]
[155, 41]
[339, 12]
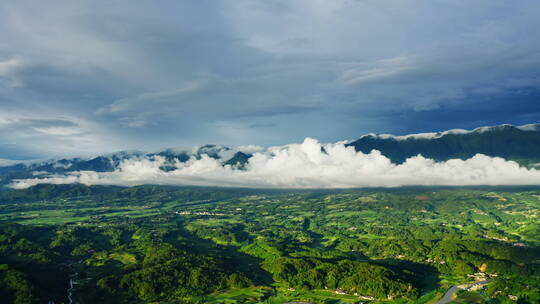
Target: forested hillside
[506, 141]
[201, 245]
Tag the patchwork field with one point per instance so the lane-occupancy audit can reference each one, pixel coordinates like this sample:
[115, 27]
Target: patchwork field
[203, 245]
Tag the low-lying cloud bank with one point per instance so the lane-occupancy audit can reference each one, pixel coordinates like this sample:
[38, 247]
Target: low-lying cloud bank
[306, 165]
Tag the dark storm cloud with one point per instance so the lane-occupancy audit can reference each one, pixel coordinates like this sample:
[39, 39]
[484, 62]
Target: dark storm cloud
[82, 77]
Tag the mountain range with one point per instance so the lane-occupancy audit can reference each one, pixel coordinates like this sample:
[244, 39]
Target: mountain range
[521, 143]
[518, 143]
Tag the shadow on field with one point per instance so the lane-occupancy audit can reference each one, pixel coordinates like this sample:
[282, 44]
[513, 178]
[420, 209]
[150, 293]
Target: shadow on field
[424, 277]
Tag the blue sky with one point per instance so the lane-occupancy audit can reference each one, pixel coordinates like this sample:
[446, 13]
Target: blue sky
[87, 77]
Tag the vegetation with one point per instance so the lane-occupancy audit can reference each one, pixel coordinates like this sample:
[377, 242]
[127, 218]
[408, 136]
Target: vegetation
[504, 141]
[153, 244]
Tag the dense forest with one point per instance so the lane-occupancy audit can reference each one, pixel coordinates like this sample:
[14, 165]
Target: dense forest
[153, 244]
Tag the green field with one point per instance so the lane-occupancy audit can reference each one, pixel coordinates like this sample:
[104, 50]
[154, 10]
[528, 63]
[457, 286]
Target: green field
[201, 245]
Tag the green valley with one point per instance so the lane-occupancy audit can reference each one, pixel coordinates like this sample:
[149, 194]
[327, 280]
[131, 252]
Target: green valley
[156, 244]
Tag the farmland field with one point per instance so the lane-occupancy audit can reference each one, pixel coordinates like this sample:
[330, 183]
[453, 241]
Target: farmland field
[154, 244]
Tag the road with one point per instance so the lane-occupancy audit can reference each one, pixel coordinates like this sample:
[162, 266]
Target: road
[70, 291]
[449, 295]
[72, 281]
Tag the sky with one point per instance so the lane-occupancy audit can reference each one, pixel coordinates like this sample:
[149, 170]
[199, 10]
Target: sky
[90, 77]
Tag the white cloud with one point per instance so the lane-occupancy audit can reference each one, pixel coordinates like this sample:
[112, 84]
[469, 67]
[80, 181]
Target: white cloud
[8, 70]
[381, 69]
[8, 66]
[152, 99]
[250, 149]
[58, 131]
[8, 162]
[308, 165]
[51, 134]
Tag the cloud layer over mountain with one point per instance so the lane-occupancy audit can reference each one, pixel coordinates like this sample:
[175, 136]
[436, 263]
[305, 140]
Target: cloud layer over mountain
[306, 165]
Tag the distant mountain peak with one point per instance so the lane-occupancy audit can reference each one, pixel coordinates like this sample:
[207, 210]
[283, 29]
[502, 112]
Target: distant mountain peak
[507, 141]
[435, 135]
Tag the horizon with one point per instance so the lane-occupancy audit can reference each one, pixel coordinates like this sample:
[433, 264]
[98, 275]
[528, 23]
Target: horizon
[8, 162]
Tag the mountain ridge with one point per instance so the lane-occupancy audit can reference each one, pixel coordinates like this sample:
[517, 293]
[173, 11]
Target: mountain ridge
[434, 135]
[506, 141]
[519, 143]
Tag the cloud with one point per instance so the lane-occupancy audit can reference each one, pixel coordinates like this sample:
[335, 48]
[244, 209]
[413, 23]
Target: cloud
[8, 162]
[8, 72]
[381, 69]
[58, 131]
[308, 165]
[250, 149]
[151, 100]
[8, 66]
[146, 75]
[27, 135]
[262, 125]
